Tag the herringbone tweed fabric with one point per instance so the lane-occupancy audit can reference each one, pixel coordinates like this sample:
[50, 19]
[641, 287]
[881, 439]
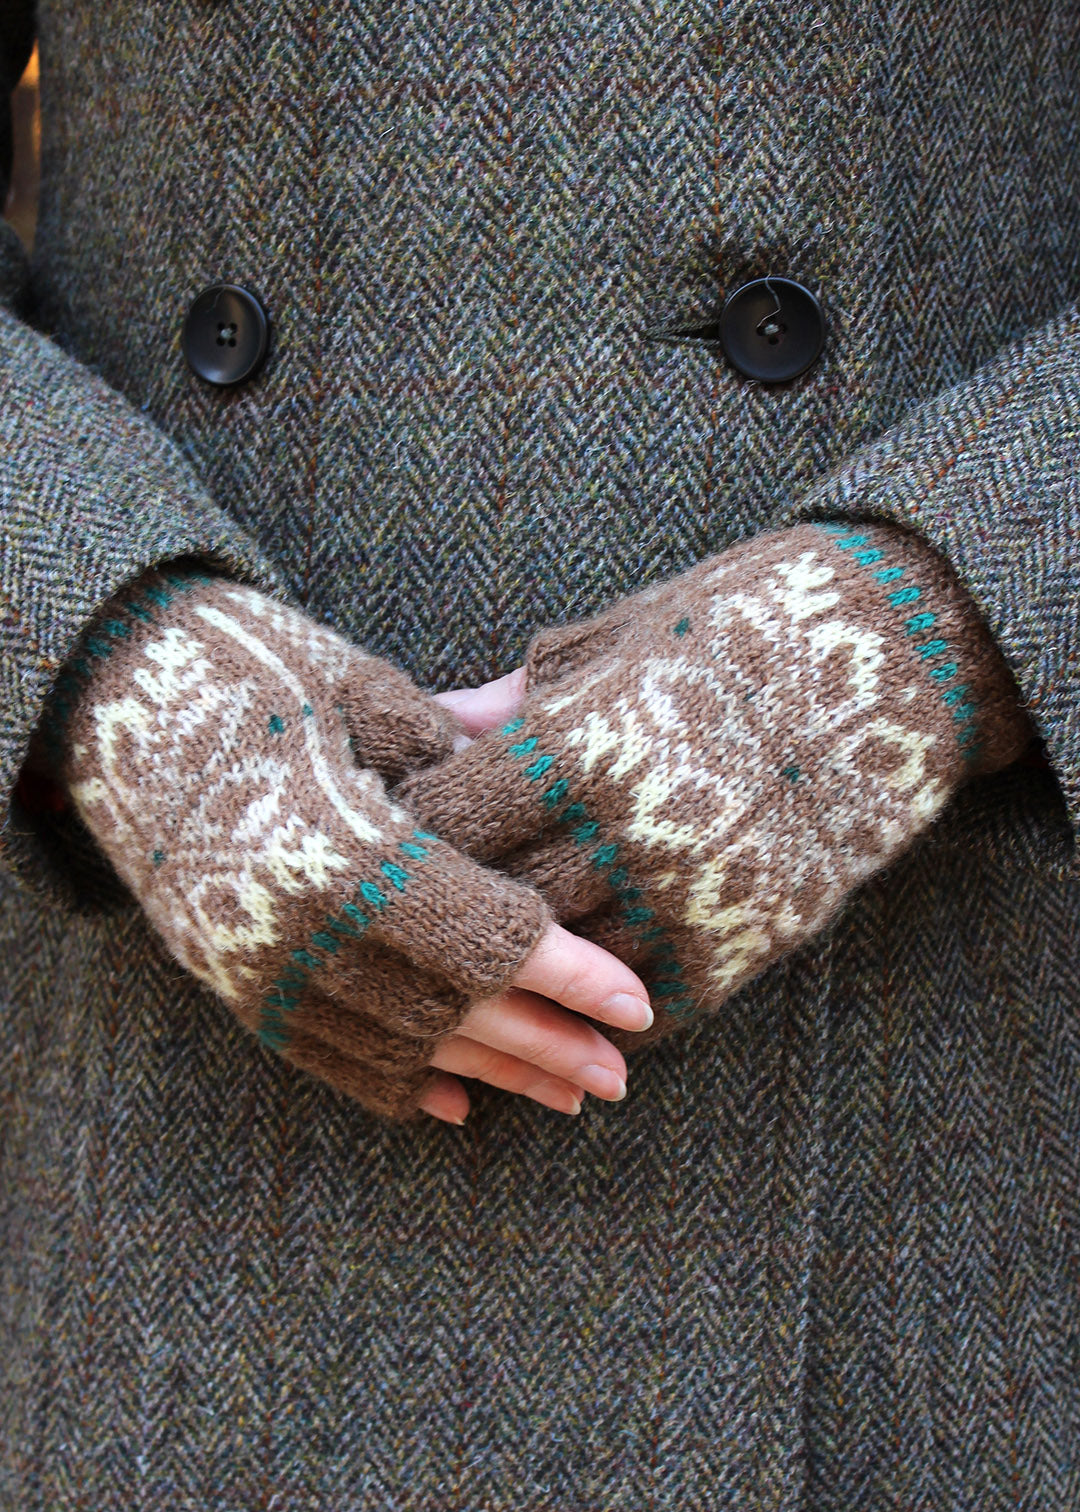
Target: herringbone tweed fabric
[824, 1255]
[217, 744]
[700, 777]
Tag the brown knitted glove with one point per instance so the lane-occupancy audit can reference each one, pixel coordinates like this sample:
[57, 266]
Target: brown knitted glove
[222, 749]
[700, 775]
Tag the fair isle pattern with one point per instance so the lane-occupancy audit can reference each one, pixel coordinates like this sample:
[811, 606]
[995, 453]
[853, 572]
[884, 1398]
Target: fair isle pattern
[206, 737]
[753, 741]
[241, 872]
[957, 698]
[665, 979]
[823, 1257]
[126, 613]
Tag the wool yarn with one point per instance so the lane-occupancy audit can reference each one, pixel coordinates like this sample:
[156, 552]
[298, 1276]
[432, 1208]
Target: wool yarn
[229, 755]
[700, 775]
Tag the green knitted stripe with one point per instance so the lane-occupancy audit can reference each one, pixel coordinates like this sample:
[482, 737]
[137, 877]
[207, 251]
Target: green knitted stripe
[671, 987]
[97, 646]
[351, 922]
[326, 941]
[964, 708]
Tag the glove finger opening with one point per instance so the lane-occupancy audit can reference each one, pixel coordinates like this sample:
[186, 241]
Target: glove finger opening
[396, 1006]
[564, 872]
[388, 1096]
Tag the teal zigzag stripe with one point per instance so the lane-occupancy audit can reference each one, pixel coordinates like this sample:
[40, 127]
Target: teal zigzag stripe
[556, 797]
[351, 922]
[957, 699]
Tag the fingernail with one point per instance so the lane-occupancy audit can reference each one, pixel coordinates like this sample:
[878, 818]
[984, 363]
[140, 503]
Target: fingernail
[556, 1101]
[602, 1082]
[553, 1095]
[631, 1012]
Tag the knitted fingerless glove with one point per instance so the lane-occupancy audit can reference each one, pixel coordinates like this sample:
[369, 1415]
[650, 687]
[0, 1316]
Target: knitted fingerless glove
[699, 776]
[228, 753]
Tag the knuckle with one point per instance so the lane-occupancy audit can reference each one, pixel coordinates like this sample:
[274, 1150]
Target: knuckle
[581, 984]
[537, 1048]
[491, 1065]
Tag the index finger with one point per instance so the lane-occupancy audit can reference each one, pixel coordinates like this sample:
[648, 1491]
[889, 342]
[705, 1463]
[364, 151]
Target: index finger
[493, 703]
[586, 978]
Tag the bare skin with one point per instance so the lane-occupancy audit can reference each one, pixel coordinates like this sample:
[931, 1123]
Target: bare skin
[533, 1038]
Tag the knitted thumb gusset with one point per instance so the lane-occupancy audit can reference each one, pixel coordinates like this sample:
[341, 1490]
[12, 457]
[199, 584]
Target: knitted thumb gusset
[209, 737]
[699, 776]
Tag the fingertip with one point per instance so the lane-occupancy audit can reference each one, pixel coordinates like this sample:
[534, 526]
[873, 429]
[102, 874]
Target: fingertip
[623, 977]
[586, 978]
[446, 1099]
[627, 1011]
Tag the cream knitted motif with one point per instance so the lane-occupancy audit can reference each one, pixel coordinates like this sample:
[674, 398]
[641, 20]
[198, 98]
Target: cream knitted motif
[210, 739]
[699, 776]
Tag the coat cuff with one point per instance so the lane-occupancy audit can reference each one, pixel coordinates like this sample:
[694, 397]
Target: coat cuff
[91, 494]
[988, 473]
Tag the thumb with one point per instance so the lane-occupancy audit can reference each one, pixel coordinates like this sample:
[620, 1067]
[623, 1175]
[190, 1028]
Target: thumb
[489, 705]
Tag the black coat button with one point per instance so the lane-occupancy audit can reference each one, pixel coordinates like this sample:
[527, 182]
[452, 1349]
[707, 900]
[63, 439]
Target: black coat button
[772, 329]
[225, 334]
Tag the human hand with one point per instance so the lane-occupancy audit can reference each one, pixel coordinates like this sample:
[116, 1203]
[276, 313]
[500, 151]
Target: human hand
[209, 737]
[508, 1040]
[698, 777]
[486, 707]
[534, 1038]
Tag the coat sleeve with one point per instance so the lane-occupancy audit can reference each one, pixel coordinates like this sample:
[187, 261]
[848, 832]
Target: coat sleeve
[91, 494]
[989, 473]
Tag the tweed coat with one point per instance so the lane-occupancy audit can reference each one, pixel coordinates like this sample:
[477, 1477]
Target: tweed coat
[825, 1255]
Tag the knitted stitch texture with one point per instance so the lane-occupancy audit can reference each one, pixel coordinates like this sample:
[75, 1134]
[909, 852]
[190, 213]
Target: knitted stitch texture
[210, 738]
[826, 1254]
[702, 774]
